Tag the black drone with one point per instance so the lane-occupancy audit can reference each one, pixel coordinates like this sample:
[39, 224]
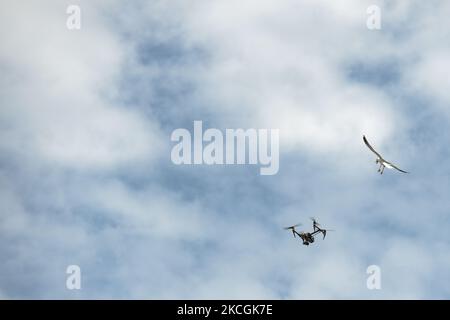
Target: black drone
[308, 237]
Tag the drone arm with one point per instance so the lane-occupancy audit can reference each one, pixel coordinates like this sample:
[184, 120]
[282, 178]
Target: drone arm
[316, 232]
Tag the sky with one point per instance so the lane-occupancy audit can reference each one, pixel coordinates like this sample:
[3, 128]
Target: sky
[86, 176]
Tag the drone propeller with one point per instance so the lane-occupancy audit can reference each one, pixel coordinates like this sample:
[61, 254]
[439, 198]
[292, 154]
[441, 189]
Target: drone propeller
[292, 227]
[315, 221]
[324, 231]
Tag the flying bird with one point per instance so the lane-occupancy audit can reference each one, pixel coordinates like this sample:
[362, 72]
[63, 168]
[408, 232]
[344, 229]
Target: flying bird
[383, 163]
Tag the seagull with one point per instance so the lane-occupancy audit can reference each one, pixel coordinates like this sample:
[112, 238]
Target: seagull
[383, 163]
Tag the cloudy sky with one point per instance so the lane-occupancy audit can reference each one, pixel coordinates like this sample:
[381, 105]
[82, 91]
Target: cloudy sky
[85, 171]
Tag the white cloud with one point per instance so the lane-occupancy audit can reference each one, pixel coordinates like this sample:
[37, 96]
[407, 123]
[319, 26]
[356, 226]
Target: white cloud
[141, 228]
[59, 87]
[430, 75]
[283, 66]
[152, 211]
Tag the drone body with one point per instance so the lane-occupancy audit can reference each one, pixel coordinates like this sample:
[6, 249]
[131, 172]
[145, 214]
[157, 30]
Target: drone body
[308, 237]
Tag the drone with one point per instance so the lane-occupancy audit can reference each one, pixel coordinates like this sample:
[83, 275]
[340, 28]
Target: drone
[308, 237]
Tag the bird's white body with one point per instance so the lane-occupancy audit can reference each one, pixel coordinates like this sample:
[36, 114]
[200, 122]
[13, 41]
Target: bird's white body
[387, 165]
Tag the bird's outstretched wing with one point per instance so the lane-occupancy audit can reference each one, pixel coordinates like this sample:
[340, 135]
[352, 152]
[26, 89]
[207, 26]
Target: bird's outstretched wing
[395, 167]
[370, 147]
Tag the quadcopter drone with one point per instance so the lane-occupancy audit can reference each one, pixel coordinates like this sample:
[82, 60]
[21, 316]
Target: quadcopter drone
[308, 237]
